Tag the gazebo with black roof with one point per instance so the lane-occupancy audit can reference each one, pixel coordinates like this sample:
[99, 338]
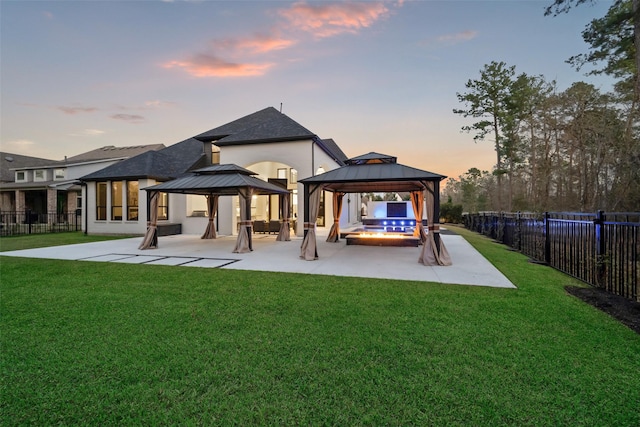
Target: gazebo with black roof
[215, 181]
[375, 172]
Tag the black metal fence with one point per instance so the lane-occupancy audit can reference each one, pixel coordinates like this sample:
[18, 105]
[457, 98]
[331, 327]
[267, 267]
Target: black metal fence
[14, 223]
[602, 249]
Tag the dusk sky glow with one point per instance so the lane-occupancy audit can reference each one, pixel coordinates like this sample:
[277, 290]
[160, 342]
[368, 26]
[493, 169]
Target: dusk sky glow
[374, 76]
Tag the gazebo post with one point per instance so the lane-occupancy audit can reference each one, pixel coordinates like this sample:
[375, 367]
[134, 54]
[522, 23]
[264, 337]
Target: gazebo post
[305, 217]
[248, 213]
[436, 214]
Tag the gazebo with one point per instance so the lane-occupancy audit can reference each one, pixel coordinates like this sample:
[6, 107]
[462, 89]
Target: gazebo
[374, 172]
[215, 181]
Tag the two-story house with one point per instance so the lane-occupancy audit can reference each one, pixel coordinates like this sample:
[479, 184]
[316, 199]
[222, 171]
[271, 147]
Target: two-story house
[267, 142]
[52, 188]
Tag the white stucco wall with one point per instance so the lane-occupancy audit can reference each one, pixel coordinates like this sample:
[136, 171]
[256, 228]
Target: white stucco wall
[79, 170]
[304, 156]
[93, 226]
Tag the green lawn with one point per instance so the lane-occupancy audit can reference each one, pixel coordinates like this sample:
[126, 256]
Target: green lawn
[14, 243]
[118, 344]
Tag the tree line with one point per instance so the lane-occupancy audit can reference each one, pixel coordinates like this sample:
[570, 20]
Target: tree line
[558, 150]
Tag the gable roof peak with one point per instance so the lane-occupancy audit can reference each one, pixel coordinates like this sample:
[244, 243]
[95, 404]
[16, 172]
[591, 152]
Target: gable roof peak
[242, 125]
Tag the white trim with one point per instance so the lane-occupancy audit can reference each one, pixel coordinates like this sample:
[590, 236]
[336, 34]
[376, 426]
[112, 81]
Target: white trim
[61, 178]
[35, 175]
[24, 176]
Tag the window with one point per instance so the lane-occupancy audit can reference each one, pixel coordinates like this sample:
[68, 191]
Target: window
[294, 176]
[116, 201]
[39, 175]
[163, 206]
[215, 155]
[21, 176]
[101, 201]
[132, 200]
[282, 173]
[59, 174]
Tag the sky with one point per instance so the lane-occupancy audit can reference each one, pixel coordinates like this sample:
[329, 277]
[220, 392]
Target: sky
[375, 76]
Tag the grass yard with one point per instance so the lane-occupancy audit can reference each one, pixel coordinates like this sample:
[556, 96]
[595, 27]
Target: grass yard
[120, 344]
[15, 243]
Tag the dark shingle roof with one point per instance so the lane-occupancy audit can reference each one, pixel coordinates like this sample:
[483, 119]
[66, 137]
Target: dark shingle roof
[10, 161]
[334, 150]
[262, 126]
[112, 152]
[268, 125]
[167, 163]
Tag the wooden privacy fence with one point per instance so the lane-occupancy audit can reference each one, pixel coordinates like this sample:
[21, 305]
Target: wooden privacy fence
[602, 249]
[14, 223]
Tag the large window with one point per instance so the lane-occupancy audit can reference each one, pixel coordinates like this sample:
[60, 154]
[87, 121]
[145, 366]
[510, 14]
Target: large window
[101, 201]
[39, 175]
[59, 174]
[132, 200]
[116, 201]
[163, 206]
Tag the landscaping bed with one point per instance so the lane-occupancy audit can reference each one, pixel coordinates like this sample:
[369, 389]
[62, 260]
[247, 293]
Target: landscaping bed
[620, 308]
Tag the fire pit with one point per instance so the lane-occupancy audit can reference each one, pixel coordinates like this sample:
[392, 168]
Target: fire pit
[382, 239]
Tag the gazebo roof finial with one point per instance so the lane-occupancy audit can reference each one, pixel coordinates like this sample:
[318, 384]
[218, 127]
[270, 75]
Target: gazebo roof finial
[371, 158]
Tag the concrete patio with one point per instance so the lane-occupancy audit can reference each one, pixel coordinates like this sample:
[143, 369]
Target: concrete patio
[469, 266]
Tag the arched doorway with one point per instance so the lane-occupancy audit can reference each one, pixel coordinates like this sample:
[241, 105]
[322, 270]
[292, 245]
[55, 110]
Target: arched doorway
[267, 208]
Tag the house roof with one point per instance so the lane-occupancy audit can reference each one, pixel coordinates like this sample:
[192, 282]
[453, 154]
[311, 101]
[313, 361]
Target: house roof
[225, 180]
[168, 163]
[113, 152]
[333, 149]
[373, 172]
[264, 126]
[10, 161]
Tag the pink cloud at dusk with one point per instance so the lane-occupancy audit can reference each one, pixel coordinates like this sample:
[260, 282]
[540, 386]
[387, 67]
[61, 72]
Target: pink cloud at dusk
[204, 65]
[212, 65]
[322, 20]
[326, 20]
[259, 43]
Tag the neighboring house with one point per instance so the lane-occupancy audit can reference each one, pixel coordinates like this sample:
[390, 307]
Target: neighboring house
[52, 187]
[267, 142]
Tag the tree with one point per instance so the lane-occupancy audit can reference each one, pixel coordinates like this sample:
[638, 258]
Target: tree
[487, 99]
[450, 213]
[613, 40]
